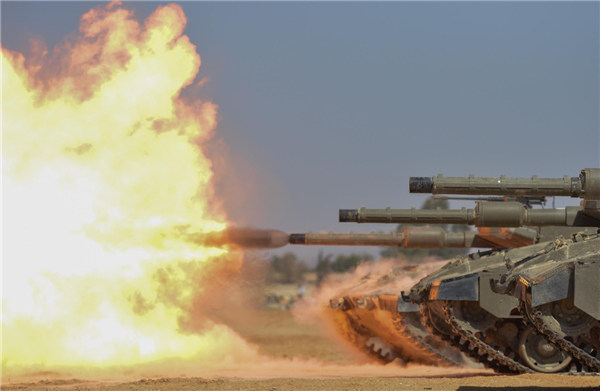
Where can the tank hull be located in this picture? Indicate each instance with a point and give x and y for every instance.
(461, 295)
(559, 288)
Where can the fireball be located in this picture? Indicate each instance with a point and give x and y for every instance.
(104, 167)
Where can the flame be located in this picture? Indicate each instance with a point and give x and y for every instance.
(103, 164)
(114, 248)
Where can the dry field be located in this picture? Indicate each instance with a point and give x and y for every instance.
(279, 336)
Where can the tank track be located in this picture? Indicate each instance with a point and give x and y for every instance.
(430, 345)
(475, 348)
(426, 320)
(382, 351)
(482, 351)
(537, 321)
(367, 344)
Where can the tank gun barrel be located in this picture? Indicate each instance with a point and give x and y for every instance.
(527, 201)
(485, 214)
(408, 216)
(411, 237)
(586, 186)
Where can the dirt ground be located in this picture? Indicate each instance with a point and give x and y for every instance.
(478, 383)
(278, 335)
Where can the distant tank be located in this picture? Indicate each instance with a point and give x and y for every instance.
(479, 303)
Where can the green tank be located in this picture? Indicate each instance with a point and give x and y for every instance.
(534, 308)
(500, 320)
(380, 314)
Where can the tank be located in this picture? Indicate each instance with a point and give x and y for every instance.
(364, 306)
(372, 316)
(529, 309)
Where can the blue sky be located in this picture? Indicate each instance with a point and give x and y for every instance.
(334, 105)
